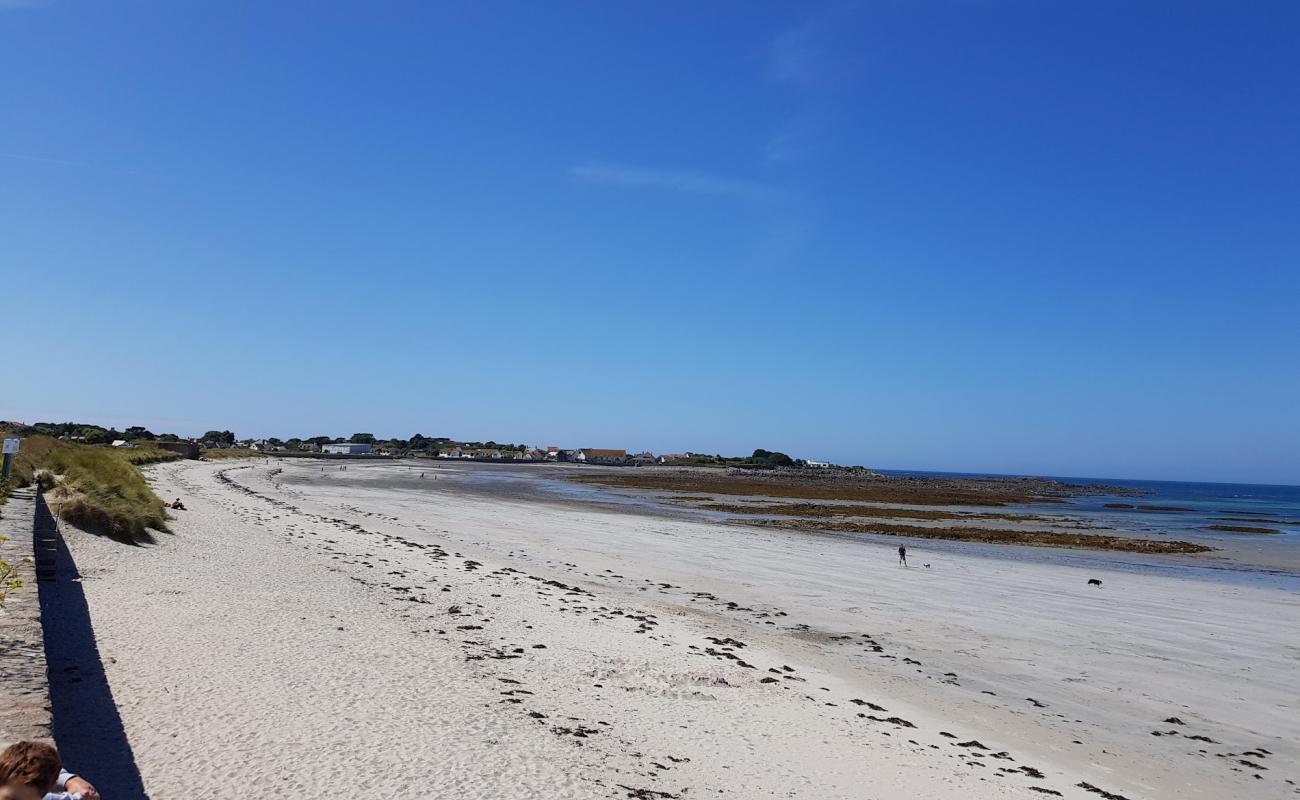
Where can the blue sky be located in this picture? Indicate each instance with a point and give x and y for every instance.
(1043, 237)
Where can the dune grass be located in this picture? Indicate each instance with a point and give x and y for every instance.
(98, 488)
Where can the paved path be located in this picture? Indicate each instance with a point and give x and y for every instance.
(24, 689)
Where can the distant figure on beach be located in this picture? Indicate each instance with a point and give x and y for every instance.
(902, 554)
(178, 505)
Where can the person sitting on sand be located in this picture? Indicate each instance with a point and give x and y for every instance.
(31, 771)
(178, 505)
(72, 787)
(902, 554)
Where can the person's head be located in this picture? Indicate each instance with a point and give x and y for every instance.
(28, 771)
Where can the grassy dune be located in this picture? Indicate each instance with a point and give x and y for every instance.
(98, 488)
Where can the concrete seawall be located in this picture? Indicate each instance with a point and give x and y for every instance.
(24, 681)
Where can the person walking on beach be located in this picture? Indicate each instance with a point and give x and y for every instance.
(902, 554)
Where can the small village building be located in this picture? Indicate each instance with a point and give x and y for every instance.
(667, 457)
(347, 448)
(812, 463)
(597, 455)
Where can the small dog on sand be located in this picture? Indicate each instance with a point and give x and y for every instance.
(1094, 582)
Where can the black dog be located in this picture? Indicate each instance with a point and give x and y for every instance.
(1094, 582)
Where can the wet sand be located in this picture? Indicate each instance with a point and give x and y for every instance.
(304, 629)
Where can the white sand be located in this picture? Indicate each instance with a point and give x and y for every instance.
(269, 646)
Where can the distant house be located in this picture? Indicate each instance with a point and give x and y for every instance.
(667, 457)
(552, 453)
(347, 448)
(811, 463)
(596, 455)
(449, 452)
(643, 458)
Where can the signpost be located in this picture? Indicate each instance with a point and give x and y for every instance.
(10, 447)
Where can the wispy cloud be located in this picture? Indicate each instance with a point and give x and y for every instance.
(41, 159)
(815, 65)
(793, 139)
(814, 51)
(796, 52)
(680, 181)
(77, 165)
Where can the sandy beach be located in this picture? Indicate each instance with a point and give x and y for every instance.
(312, 629)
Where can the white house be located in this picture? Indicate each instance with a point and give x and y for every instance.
(812, 463)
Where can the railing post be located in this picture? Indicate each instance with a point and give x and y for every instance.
(10, 447)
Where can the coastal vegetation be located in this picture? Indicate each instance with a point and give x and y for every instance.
(824, 510)
(759, 459)
(867, 488)
(1242, 529)
(86, 433)
(9, 578)
(99, 488)
(1083, 541)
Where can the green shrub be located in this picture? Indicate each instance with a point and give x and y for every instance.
(105, 490)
